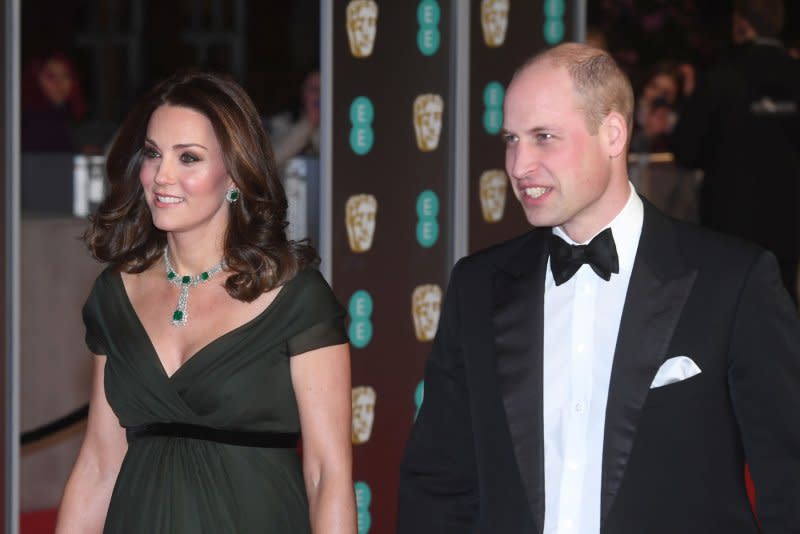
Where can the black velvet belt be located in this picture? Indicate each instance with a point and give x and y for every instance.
(272, 440)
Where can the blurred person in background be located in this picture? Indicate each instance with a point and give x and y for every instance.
(657, 108)
(52, 104)
(741, 126)
(596, 37)
(296, 132)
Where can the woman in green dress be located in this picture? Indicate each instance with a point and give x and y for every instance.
(216, 343)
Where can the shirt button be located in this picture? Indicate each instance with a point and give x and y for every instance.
(587, 289)
(579, 348)
(573, 465)
(567, 523)
(579, 407)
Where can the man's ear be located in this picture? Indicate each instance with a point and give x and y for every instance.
(615, 131)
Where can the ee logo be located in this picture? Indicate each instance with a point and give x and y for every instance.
(360, 308)
(361, 135)
(553, 21)
(493, 96)
(419, 394)
(428, 36)
(427, 225)
(363, 500)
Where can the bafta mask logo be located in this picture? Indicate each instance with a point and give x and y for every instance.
(494, 21)
(362, 24)
(363, 413)
(426, 305)
(493, 184)
(360, 212)
(428, 109)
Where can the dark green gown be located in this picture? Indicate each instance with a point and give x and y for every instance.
(240, 381)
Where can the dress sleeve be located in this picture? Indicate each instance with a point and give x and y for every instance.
(92, 320)
(319, 315)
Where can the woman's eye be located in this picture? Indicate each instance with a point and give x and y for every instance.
(150, 153)
(187, 157)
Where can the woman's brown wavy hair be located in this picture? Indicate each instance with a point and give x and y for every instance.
(256, 249)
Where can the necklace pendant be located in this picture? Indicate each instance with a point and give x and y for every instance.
(180, 316)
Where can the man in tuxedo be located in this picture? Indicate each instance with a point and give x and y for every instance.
(743, 118)
(612, 370)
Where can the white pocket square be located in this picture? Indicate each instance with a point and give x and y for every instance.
(674, 370)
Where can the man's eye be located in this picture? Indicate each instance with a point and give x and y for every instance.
(544, 136)
(509, 138)
(187, 157)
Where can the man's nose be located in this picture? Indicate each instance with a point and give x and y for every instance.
(523, 160)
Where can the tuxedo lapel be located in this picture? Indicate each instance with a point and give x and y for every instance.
(659, 287)
(518, 308)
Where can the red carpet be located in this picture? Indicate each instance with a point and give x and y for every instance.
(44, 521)
(38, 522)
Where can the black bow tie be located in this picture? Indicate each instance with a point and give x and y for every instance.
(600, 254)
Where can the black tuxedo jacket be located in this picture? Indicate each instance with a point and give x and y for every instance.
(673, 457)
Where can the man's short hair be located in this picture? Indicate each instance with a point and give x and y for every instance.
(601, 86)
(765, 16)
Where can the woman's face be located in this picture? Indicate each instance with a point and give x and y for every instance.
(661, 86)
(55, 81)
(183, 173)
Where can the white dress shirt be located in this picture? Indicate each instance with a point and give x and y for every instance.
(581, 322)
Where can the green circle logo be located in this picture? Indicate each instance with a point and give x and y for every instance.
(361, 139)
(553, 31)
(361, 111)
(492, 121)
(363, 501)
(428, 40)
(427, 225)
(428, 13)
(360, 306)
(364, 521)
(427, 232)
(419, 394)
(427, 204)
(360, 310)
(554, 9)
(428, 36)
(360, 333)
(363, 495)
(361, 135)
(493, 95)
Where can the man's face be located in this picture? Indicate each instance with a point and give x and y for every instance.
(559, 172)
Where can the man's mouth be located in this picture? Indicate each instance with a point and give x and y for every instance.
(536, 192)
